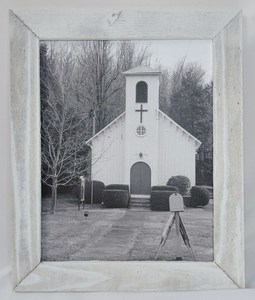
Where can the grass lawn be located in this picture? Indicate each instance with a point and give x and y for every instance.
(120, 234)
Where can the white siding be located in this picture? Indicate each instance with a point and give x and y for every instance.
(177, 152)
(167, 148)
(108, 154)
(146, 145)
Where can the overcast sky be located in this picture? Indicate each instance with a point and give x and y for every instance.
(168, 53)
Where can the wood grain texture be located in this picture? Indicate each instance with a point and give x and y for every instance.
(125, 276)
(125, 24)
(25, 115)
(228, 269)
(228, 152)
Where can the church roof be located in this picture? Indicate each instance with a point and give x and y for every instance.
(163, 115)
(106, 127)
(142, 70)
(197, 142)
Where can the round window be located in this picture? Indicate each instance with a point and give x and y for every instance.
(141, 130)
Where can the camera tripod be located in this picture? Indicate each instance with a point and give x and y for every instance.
(180, 230)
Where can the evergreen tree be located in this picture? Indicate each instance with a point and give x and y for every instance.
(191, 106)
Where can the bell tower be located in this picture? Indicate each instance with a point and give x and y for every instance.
(141, 132)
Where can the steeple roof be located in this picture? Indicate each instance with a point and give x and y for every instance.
(141, 70)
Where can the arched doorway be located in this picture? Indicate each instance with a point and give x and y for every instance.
(140, 179)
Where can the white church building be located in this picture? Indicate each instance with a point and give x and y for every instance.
(143, 146)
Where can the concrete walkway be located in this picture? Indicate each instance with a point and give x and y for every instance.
(117, 241)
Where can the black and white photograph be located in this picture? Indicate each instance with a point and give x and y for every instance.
(126, 150)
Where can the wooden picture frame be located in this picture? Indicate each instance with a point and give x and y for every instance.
(224, 28)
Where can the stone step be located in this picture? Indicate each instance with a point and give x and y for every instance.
(139, 200)
(139, 203)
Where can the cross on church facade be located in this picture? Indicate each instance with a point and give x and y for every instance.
(141, 110)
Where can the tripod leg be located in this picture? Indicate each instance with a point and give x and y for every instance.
(183, 233)
(165, 234)
(159, 249)
(167, 228)
(186, 239)
(178, 242)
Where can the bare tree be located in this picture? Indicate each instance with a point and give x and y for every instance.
(80, 82)
(63, 123)
(97, 78)
(101, 65)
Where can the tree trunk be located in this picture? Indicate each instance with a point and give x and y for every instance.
(92, 192)
(94, 123)
(54, 189)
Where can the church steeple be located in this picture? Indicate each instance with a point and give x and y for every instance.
(142, 91)
(142, 100)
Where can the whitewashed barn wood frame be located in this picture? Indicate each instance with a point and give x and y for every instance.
(224, 28)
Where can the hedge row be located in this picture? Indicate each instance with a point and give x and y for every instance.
(115, 198)
(113, 195)
(117, 195)
(165, 188)
(159, 200)
(98, 188)
(199, 196)
(124, 187)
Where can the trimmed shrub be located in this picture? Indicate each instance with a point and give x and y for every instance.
(199, 196)
(181, 182)
(121, 187)
(98, 188)
(115, 198)
(124, 187)
(187, 200)
(210, 190)
(159, 200)
(165, 188)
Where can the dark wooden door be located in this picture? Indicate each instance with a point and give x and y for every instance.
(140, 179)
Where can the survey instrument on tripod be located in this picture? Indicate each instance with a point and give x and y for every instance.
(176, 206)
